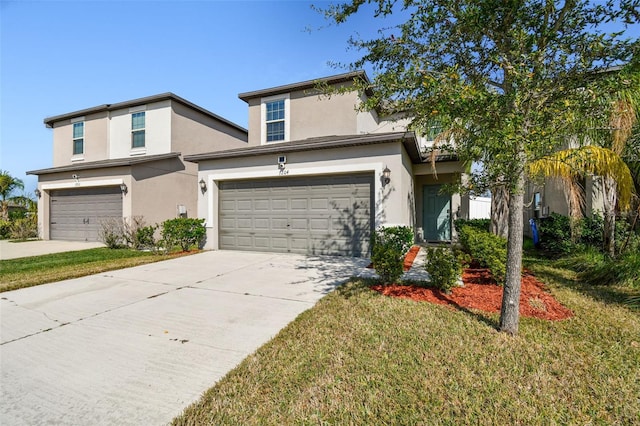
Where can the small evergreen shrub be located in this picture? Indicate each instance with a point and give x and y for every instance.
(399, 237)
(145, 237)
(444, 267)
(5, 229)
(388, 248)
(479, 224)
(555, 234)
(489, 250)
(182, 232)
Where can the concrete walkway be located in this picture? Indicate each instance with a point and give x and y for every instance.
(138, 345)
(9, 250)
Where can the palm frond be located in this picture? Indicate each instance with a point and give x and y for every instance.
(588, 160)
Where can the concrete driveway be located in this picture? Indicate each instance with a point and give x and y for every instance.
(138, 345)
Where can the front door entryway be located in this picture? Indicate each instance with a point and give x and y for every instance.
(436, 214)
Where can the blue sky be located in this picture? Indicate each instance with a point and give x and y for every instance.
(59, 57)
(62, 56)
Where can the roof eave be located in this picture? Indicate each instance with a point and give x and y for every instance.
(105, 164)
(308, 84)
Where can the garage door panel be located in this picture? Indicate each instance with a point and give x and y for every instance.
(321, 215)
(77, 214)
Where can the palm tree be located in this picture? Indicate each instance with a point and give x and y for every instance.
(8, 184)
(604, 137)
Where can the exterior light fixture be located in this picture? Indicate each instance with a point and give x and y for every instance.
(38, 193)
(203, 186)
(123, 188)
(386, 176)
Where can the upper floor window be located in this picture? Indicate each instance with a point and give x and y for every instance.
(275, 119)
(78, 138)
(137, 129)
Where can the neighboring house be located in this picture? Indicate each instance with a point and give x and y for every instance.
(312, 178)
(125, 160)
(549, 196)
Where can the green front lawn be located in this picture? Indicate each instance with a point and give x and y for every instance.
(30, 271)
(359, 357)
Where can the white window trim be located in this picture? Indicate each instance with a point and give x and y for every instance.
(263, 117)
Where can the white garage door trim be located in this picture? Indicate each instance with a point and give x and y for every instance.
(81, 184)
(222, 175)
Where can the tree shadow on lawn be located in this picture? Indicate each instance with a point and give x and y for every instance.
(546, 272)
(362, 285)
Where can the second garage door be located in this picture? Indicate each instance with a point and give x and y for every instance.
(311, 215)
(78, 214)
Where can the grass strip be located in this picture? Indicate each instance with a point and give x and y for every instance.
(36, 270)
(359, 357)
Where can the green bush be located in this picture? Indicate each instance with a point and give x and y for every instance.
(489, 250)
(479, 224)
(443, 267)
(24, 228)
(145, 237)
(555, 234)
(400, 238)
(182, 232)
(5, 229)
(388, 248)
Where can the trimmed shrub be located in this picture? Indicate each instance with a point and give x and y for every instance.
(5, 229)
(489, 250)
(479, 224)
(388, 248)
(443, 267)
(137, 235)
(555, 234)
(182, 232)
(399, 238)
(145, 237)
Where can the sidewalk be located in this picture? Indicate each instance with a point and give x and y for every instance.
(11, 250)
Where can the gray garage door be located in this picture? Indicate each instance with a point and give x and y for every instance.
(77, 214)
(311, 215)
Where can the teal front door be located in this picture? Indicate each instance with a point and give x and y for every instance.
(436, 214)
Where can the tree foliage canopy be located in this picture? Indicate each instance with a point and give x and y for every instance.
(509, 81)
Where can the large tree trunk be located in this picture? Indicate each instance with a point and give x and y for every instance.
(500, 211)
(510, 311)
(609, 187)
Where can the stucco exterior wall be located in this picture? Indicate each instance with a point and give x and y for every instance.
(96, 131)
(157, 130)
(315, 115)
(159, 187)
(389, 201)
(86, 179)
(193, 132)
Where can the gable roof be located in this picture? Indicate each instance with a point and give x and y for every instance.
(309, 84)
(408, 139)
(117, 162)
(49, 121)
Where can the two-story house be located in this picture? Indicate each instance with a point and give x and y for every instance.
(125, 160)
(318, 176)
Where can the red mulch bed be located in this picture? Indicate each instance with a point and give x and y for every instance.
(480, 292)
